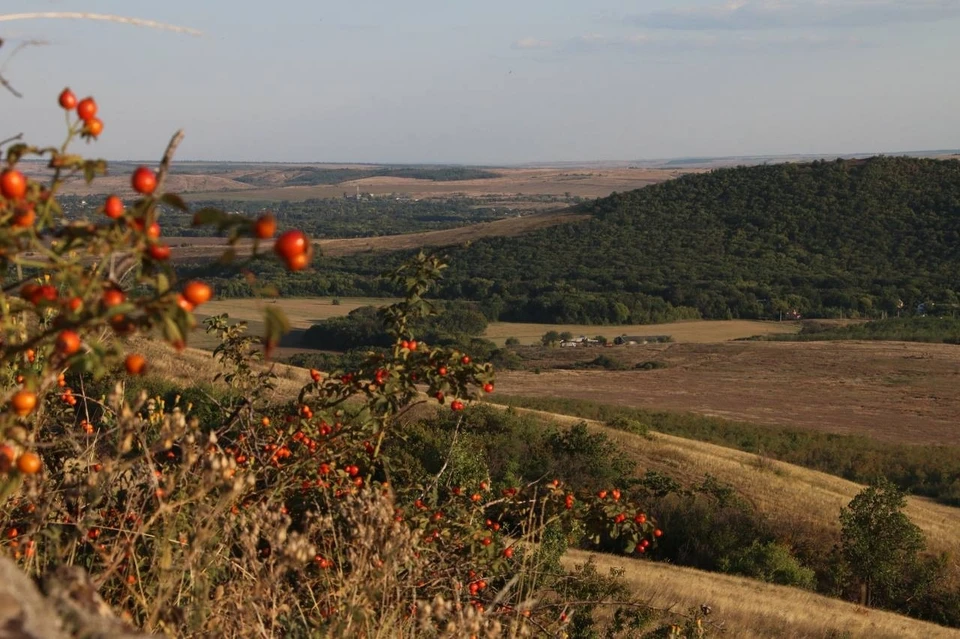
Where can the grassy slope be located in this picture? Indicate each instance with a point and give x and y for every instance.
(748, 609)
(796, 497)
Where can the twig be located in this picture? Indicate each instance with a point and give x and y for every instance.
(18, 136)
(9, 87)
(168, 158)
(453, 442)
(79, 15)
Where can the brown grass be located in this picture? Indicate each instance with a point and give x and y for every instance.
(792, 495)
(750, 609)
(303, 312)
(210, 248)
(590, 183)
(892, 391)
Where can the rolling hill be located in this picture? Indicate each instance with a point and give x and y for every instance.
(827, 238)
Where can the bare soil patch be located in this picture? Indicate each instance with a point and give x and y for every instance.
(892, 391)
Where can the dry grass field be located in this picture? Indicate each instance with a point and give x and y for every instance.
(797, 498)
(696, 331)
(893, 391)
(584, 182)
(305, 311)
(185, 249)
(748, 609)
(223, 182)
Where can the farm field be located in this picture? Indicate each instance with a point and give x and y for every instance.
(892, 391)
(303, 312)
(194, 248)
(270, 183)
(748, 609)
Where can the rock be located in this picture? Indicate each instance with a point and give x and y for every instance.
(74, 595)
(72, 607)
(24, 613)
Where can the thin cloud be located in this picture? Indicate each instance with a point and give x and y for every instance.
(532, 43)
(775, 14)
(643, 43)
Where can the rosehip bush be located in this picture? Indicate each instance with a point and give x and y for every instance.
(265, 518)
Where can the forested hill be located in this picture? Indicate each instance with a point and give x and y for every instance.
(744, 242)
(850, 237)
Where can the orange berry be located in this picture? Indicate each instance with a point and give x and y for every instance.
(28, 463)
(67, 99)
(93, 126)
(23, 402)
(183, 303)
(113, 207)
(87, 109)
(197, 292)
(74, 304)
(13, 184)
(144, 181)
(113, 297)
(68, 342)
(265, 226)
(135, 364)
(298, 262)
(24, 217)
(159, 252)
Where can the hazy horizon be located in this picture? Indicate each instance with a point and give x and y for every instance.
(546, 81)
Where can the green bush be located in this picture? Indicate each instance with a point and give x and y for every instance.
(770, 562)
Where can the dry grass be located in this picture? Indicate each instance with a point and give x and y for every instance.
(798, 497)
(793, 497)
(754, 610)
(194, 365)
(892, 391)
(693, 331)
(208, 248)
(303, 312)
(588, 182)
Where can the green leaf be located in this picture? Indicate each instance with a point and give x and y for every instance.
(275, 324)
(228, 256)
(209, 215)
(174, 200)
(93, 168)
(171, 332)
(163, 283)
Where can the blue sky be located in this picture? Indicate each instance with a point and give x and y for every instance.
(495, 81)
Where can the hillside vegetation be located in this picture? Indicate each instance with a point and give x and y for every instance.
(945, 330)
(824, 239)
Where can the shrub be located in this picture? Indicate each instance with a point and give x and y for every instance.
(651, 365)
(213, 511)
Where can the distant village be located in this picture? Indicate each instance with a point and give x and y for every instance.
(623, 340)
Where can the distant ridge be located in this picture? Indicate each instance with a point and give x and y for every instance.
(840, 238)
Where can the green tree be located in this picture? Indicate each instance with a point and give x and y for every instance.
(879, 541)
(550, 338)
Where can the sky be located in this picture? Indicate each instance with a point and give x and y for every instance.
(492, 81)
